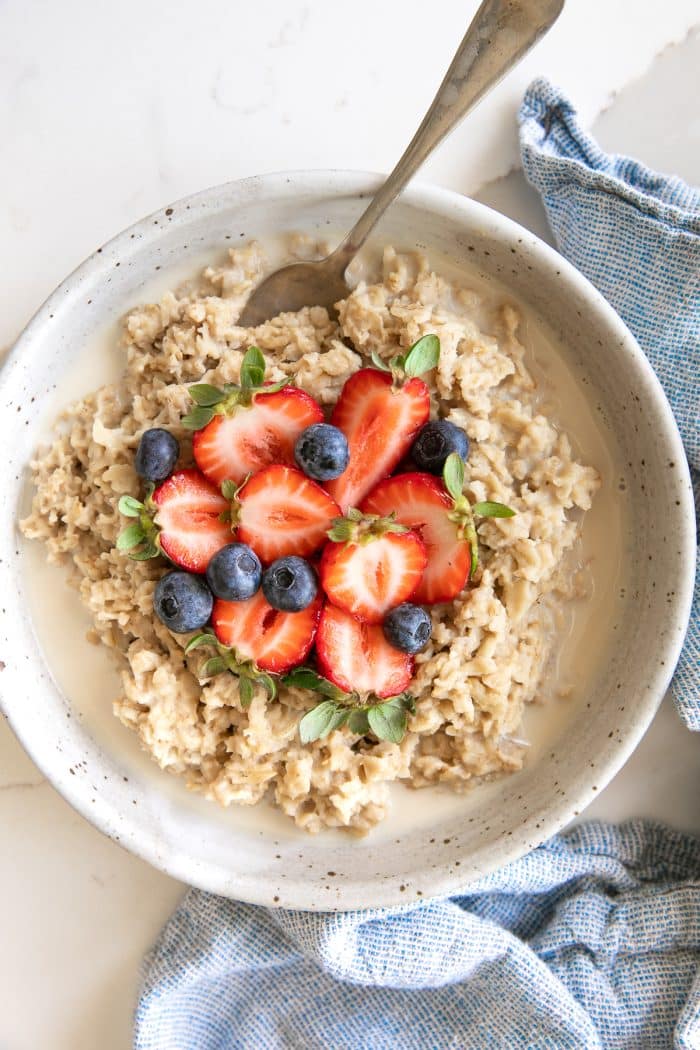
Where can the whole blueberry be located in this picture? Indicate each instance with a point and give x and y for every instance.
(234, 572)
(156, 455)
(290, 584)
(182, 602)
(435, 442)
(322, 452)
(408, 628)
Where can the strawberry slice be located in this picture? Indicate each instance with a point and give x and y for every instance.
(371, 565)
(189, 510)
(357, 657)
(280, 511)
(380, 423)
(275, 640)
(422, 502)
(245, 438)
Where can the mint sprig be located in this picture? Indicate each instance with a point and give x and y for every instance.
(463, 512)
(227, 659)
(422, 357)
(140, 538)
(210, 401)
(387, 719)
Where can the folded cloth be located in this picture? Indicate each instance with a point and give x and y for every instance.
(590, 941)
(593, 939)
(635, 235)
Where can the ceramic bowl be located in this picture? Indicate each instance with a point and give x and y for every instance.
(57, 694)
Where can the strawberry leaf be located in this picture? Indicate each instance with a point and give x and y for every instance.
(268, 683)
(245, 689)
(206, 638)
(489, 509)
(131, 537)
(307, 678)
(198, 417)
(205, 395)
(423, 356)
(453, 475)
(252, 369)
(130, 507)
(388, 721)
(215, 665)
(229, 489)
(150, 550)
(379, 363)
(321, 720)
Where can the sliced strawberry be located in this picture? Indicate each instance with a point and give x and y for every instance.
(189, 519)
(357, 657)
(275, 640)
(281, 511)
(249, 437)
(374, 565)
(421, 502)
(380, 423)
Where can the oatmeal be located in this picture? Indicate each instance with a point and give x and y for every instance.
(488, 647)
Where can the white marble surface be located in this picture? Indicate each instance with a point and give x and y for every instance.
(109, 111)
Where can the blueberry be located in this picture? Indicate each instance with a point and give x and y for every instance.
(434, 444)
(182, 602)
(408, 628)
(290, 584)
(322, 452)
(234, 572)
(156, 455)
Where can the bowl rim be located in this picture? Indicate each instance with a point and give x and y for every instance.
(439, 882)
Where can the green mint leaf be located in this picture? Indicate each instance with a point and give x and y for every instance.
(229, 489)
(379, 363)
(206, 638)
(489, 509)
(252, 368)
(423, 356)
(215, 665)
(150, 550)
(453, 475)
(131, 537)
(206, 395)
(245, 688)
(197, 417)
(388, 721)
(357, 721)
(130, 507)
(321, 720)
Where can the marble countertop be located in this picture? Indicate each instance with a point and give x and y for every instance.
(110, 111)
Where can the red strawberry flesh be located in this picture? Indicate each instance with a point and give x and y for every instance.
(251, 437)
(380, 424)
(421, 502)
(283, 512)
(191, 530)
(357, 657)
(276, 641)
(368, 579)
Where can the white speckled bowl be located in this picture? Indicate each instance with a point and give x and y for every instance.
(253, 855)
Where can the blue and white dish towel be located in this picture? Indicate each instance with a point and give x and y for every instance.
(593, 939)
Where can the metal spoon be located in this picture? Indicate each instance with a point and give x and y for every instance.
(501, 33)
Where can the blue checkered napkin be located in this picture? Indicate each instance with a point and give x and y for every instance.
(636, 235)
(592, 941)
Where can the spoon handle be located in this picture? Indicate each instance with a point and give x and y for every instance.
(500, 34)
